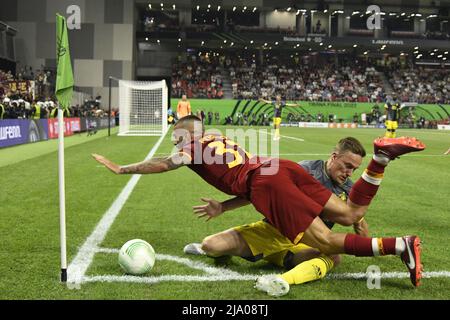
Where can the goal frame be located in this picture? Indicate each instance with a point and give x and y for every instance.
(126, 127)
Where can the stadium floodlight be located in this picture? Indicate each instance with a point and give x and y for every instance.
(142, 108)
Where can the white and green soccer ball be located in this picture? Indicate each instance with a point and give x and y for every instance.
(136, 257)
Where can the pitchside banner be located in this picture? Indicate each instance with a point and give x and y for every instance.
(18, 131)
(71, 125)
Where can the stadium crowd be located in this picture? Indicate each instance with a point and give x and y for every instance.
(29, 95)
(199, 77)
(324, 79)
(419, 84)
(346, 81)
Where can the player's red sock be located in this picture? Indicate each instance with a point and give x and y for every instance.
(367, 247)
(366, 187)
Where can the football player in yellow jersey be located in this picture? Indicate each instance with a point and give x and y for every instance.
(260, 240)
(392, 112)
(278, 104)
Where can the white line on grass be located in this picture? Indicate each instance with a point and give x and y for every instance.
(79, 265)
(185, 261)
(287, 137)
(222, 274)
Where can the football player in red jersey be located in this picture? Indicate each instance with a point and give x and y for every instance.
(289, 198)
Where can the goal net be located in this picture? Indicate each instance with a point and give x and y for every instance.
(143, 108)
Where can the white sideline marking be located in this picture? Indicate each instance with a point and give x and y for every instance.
(249, 277)
(288, 137)
(79, 265)
(222, 274)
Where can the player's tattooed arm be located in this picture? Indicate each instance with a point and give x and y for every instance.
(154, 165)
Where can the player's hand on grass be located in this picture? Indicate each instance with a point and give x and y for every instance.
(211, 209)
(107, 163)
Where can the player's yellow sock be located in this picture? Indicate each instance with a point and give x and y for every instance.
(310, 270)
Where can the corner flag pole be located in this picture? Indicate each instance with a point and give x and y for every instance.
(64, 90)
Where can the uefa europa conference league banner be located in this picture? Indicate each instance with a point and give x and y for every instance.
(13, 132)
(18, 131)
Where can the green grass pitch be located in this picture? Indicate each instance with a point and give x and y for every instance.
(414, 199)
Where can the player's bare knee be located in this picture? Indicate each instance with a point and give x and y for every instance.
(209, 245)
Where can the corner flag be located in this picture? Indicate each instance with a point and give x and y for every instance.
(64, 90)
(64, 77)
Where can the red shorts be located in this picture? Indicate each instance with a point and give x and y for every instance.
(290, 200)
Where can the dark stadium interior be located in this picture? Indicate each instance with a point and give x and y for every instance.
(303, 50)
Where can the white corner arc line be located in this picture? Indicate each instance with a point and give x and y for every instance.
(79, 265)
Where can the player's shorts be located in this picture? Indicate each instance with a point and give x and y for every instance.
(276, 121)
(391, 125)
(290, 199)
(269, 244)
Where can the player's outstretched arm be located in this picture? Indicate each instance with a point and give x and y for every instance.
(214, 208)
(154, 165)
(265, 101)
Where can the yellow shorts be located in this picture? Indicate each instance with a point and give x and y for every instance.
(391, 125)
(276, 121)
(268, 243)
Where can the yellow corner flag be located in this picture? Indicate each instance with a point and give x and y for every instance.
(64, 77)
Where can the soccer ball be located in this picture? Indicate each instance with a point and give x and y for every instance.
(136, 257)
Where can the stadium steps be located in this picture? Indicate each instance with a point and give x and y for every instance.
(226, 84)
(387, 88)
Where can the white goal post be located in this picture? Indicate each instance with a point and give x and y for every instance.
(142, 108)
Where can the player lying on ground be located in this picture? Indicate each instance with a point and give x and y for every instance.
(289, 198)
(260, 240)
